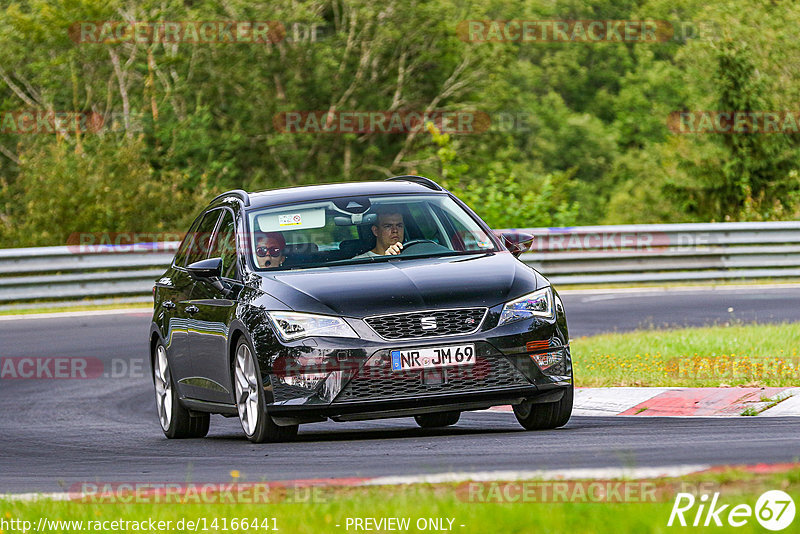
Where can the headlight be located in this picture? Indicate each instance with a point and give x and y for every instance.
(536, 304)
(291, 325)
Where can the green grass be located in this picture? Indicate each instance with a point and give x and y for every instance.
(56, 308)
(699, 284)
(751, 355)
(333, 506)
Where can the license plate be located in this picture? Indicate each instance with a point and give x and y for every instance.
(410, 359)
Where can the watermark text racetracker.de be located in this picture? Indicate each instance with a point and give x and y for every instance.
(70, 368)
(563, 491)
(734, 122)
(599, 240)
(193, 32)
(153, 492)
(259, 32)
(732, 367)
(42, 122)
(581, 491)
(551, 240)
(380, 121)
(586, 31)
(128, 242)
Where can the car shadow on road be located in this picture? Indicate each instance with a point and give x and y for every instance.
(337, 432)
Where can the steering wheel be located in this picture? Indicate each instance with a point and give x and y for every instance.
(413, 242)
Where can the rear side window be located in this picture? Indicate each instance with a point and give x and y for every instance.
(201, 238)
(225, 245)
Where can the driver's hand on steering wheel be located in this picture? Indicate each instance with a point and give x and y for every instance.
(395, 249)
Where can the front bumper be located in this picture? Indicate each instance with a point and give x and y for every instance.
(381, 409)
(348, 379)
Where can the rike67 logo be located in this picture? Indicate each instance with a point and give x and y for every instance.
(774, 510)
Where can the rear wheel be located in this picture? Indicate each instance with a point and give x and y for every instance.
(176, 421)
(545, 415)
(436, 420)
(258, 426)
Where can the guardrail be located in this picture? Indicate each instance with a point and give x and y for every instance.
(666, 252)
(69, 272)
(586, 255)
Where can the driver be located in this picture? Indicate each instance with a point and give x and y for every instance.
(388, 231)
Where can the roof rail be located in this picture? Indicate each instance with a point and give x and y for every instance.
(235, 193)
(421, 180)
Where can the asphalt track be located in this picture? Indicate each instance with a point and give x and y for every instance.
(56, 433)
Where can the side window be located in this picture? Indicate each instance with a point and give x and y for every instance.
(225, 245)
(183, 248)
(201, 237)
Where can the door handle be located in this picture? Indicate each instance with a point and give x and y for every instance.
(191, 308)
(168, 304)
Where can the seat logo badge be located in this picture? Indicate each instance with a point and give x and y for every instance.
(428, 323)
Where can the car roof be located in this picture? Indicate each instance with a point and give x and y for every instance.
(289, 195)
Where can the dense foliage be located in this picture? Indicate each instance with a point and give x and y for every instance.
(579, 135)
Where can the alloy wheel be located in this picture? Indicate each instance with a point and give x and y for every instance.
(163, 383)
(246, 389)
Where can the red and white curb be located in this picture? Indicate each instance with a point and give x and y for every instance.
(684, 402)
(789, 404)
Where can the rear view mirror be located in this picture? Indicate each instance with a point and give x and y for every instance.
(356, 219)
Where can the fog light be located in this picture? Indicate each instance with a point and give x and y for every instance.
(305, 380)
(551, 363)
(547, 359)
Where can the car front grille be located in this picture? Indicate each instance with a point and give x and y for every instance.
(376, 380)
(434, 323)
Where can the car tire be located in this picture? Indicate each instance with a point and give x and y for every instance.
(176, 421)
(251, 404)
(437, 420)
(545, 415)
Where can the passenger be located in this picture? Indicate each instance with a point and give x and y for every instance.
(270, 249)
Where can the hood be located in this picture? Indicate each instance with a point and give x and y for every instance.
(403, 285)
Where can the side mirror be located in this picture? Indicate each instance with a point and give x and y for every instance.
(517, 242)
(210, 271)
(210, 268)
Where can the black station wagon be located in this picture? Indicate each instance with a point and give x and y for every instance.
(353, 301)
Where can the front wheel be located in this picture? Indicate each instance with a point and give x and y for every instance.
(545, 415)
(258, 426)
(176, 421)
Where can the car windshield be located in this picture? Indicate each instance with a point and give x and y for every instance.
(353, 230)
